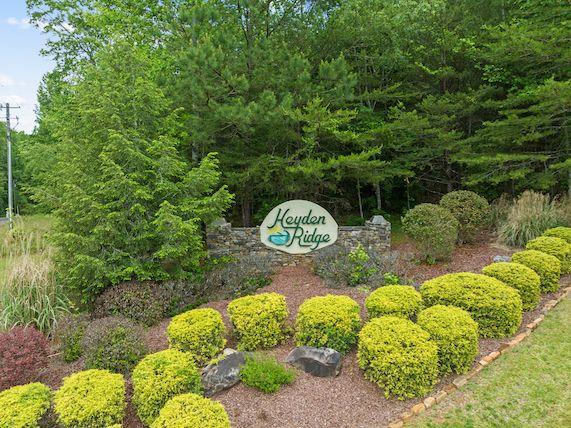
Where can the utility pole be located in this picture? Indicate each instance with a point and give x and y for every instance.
(10, 213)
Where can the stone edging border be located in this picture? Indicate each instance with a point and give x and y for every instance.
(462, 380)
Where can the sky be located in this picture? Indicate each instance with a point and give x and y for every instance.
(21, 65)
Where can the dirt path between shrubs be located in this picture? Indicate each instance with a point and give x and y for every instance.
(345, 401)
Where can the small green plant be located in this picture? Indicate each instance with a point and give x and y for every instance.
(192, 410)
(69, 334)
(265, 373)
(390, 278)
(360, 268)
(259, 320)
(23, 406)
(433, 229)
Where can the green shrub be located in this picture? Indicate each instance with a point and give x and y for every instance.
(190, 411)
(360, 269)
(434, 230)
(161, 376)
(553, 246)
(398, 300)
(328, 321)
(531, 215)
(546, 266)
(265, 373)
(200, 332)
(259, 320)
(520, 277)
(398, 356)
(69, 334)
(559, 232)
(496, 307)
(91, 398)
(23, 406)
(455, 333)
(113, 343)
(471, 211)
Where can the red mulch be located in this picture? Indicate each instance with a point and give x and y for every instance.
(345, 401)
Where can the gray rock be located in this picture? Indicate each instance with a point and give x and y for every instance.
(322, 362)
(498, 259)
(222, 375)
(377, 219)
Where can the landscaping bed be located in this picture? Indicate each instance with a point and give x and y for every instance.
(346, 400)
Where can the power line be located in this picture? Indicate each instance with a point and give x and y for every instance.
(10, 212)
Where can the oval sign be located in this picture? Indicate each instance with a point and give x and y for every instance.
(298, 227)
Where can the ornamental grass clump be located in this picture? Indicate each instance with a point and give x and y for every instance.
(161, 376)
(433, 229)
(259, 320)
(546, 266)
(265, 373)
(455, 333)
(495, 306)
(328, 321)
(398, 356)
(553, 246)
(23, 353)
(200, 332)
(23, 406)
(91, 398)
(559, 232)
(470, 209)
(397, 300)
(520, 277)
(113, 343)
(192, 410)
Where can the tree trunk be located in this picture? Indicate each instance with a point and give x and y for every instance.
(246, 212)
(378, 196)
(360, 200)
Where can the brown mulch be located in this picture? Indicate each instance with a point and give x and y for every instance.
(345, 401)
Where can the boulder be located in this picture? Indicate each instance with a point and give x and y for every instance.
(498, 259)
(322, 362)
(223, 374)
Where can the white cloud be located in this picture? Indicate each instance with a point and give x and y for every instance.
(6, 81)
(22, 24)
(13, 99)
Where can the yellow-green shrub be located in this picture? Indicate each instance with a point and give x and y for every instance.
(496, 307)
(161, 376)
(399, 356)
(328, 321)
(200, 332)
(190, 411)
(546, 266)
(91, 398)
(258, 320)
(559, 232)
(23, 406)
(520, 277)
(553, 246)
(398, 300)
(455, 333)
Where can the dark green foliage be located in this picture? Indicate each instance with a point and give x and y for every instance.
(113, 343)
(265, 373)
(471, 211)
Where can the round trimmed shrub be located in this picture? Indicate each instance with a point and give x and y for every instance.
(23, 406)
(559, 232)
(200, 332)
(470, 209)
(192, 411)
(546, 266)
(258, 320)
(91, 398)
(434, 230)
(69, 334)
(556, 247)
(495, 306)
(23, 352)
(398, 300)
(520, 277)
(455, 333)
(161, 376)
(398, 356)
(113, 343)
(328, 321)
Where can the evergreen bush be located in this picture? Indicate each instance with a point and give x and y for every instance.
(200, 332)
(471, 211)
(23, 406)
(397, 300)
(192, 410)
(546, 266)
(553, 246)
(496, 307)
(520, 277)
(559, 232)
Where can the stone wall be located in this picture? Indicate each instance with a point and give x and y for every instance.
(224, 240)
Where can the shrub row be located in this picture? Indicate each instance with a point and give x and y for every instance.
(555, 247)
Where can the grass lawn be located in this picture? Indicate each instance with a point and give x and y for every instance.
(529, 386)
